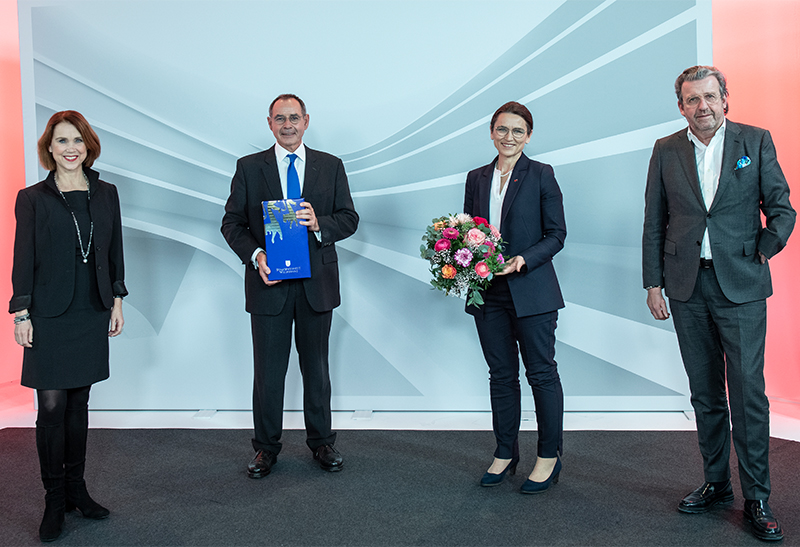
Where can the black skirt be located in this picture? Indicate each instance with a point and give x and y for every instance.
(71, 350)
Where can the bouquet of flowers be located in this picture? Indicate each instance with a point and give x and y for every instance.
(465, 253)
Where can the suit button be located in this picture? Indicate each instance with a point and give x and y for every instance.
(708, 215)
(698, 243)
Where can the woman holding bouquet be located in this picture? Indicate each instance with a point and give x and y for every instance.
(521, 198)
(68, 280)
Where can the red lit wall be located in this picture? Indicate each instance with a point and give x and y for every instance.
(757, 46)
(12, 178)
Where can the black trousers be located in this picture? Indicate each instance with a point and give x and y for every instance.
(272, 340)
(720, 339)
(504, 336)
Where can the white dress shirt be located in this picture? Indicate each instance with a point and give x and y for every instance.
(709, 167)
(282, 158)
(496, 197)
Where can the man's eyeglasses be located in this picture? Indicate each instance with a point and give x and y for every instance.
(694, 100)
(294, 119)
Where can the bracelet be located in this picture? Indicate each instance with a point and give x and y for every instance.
(22, 318)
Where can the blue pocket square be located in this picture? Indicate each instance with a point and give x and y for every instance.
(743, 162)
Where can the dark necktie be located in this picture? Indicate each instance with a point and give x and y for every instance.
(292, 180)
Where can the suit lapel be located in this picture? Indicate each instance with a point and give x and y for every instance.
(484, 191)
(518, 174)
(312, 173)
(688, 161)
(731, 152)
(270, 171)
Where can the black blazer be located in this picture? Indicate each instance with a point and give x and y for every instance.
(43, 275)
(325, 188)
(532, 226)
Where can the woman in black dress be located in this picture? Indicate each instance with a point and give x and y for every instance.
(68, 280)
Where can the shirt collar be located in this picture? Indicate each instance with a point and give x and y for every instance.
(281, 152)
(719, 135)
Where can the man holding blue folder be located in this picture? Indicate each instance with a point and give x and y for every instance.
(290, 170)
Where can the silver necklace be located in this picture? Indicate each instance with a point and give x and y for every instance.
(84, 254)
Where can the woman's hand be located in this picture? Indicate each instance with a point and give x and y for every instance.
(116, 323)
(513, 264)
(23, 332)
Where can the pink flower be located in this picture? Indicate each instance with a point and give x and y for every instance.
(463, 257)
(442, 245)
(450, 233)
(482, 269)
(481, 220)
(491, 248)
(500, 259)
(448, 271)
(495, 231)
(475, 237)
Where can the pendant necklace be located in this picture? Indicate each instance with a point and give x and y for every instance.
(84, 254)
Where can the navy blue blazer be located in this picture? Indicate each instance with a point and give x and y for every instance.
(532, 226)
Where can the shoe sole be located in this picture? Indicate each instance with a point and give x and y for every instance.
(258, 475)
(763, 537)
(333, 469)
(724, 502)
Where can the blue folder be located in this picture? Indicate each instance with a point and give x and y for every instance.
(286, 240)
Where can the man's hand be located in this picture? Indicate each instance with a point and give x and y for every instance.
(263, 269)
(308, 217)
(657, 304)
(513, 264)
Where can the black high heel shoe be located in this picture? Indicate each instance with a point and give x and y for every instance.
(532, 487)
(494, 479)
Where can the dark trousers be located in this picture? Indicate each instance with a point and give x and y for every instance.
(720, 339)
(272, 342)
(504, 336)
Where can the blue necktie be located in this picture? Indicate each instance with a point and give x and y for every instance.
(292, 180)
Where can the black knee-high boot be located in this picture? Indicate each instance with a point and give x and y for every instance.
(50, 446)
(76, 421)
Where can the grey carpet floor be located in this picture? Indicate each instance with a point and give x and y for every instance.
(404, 488)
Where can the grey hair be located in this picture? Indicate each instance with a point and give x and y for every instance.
(701, 72)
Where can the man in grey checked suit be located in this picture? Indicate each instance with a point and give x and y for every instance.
(704, 243)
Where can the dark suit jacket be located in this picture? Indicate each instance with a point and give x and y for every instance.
(43, 274)
(325, 188)
(532, 225)
(676, 217)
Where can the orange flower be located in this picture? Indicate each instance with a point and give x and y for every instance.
(439, 225)
(448, 271)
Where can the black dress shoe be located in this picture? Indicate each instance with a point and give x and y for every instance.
(329, 458)
(763, 523)
(261, 465)
(706, 497)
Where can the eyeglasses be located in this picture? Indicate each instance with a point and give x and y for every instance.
(709, 98)
(518, 133)
(294, 119)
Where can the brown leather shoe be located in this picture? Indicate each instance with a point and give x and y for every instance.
(261, 465)
(706, 497)
(763, 523)
(329, 458)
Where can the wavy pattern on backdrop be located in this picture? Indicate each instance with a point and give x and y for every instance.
(597, 77)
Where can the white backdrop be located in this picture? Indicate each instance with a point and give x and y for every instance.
(402, 91)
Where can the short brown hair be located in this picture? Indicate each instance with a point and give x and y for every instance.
(87, 133)
(288, 97)
(514, 108)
